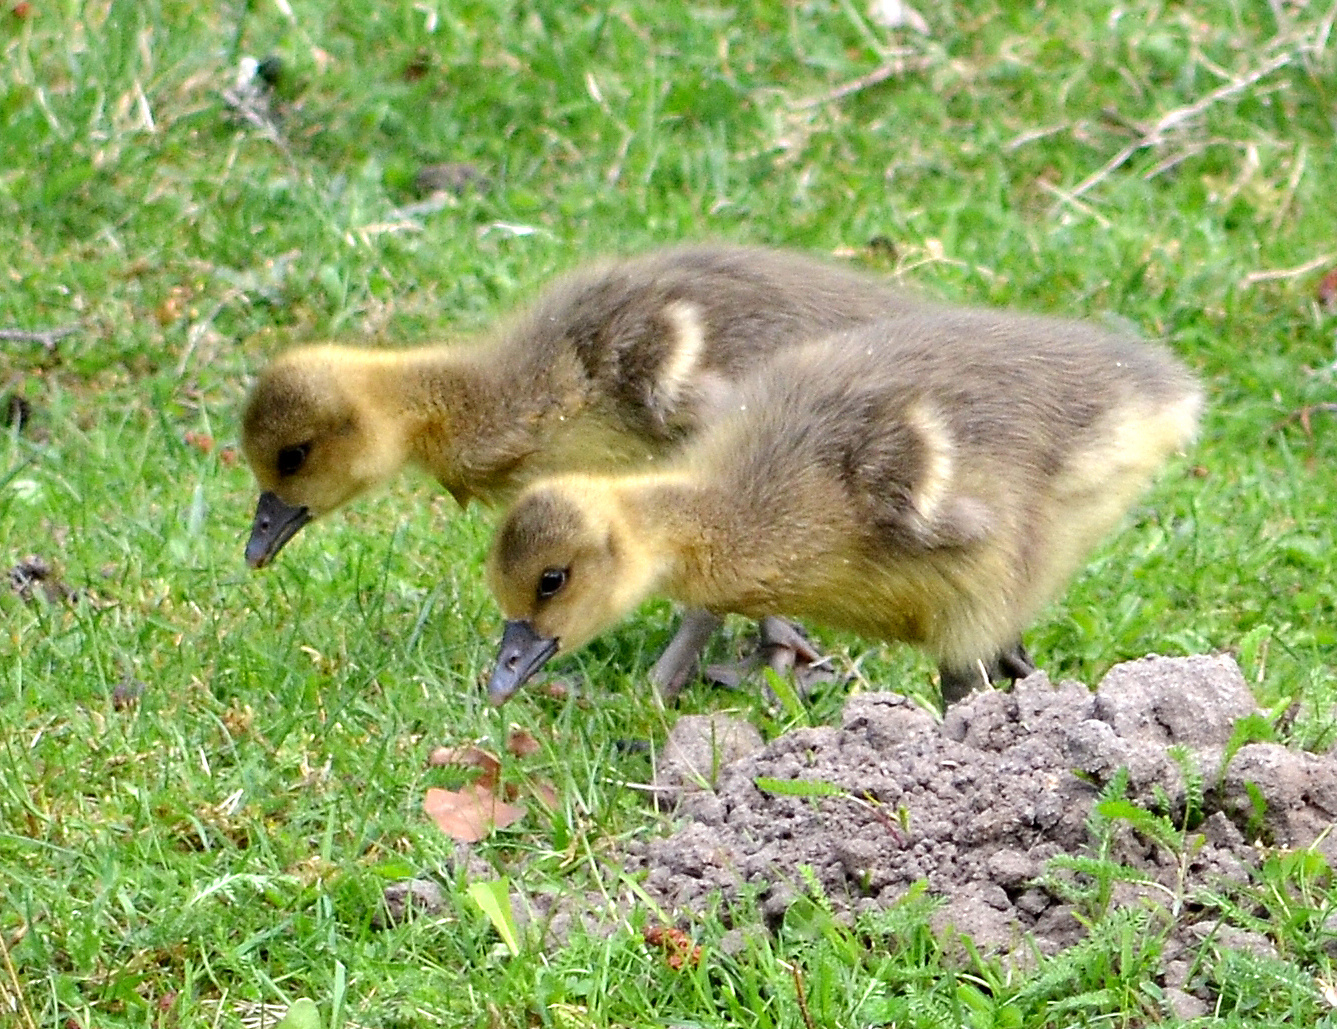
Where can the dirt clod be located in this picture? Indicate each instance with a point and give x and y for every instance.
(1184, 1005)
(977, 805)
(406, 898)
(452, 177)
(1194, 700)
(697, 747)
(15, 411)
(126, 693)
(33, 575)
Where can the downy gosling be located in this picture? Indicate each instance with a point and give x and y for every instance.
(615, 366)
(934, 478)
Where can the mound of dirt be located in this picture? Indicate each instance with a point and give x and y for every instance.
(977, 803)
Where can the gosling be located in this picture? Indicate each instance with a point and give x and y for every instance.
(615, 366)
(933, 478)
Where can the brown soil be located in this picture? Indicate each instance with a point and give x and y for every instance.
(977, 803)
(34, 574)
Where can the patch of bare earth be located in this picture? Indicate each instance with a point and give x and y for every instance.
(975, 805)
(33, 575)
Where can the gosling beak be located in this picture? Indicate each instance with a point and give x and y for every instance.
(523, 652)
(275, 523)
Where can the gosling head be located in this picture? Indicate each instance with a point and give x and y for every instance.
(564, 567)
(314, 442)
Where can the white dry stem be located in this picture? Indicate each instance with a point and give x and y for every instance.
(1155, 135)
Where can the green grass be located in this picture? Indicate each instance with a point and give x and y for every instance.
(224, 841)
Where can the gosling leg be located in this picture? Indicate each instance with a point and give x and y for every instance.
(678, 663)
(1008, 665)
(784, 645)
(786, 648)
(1013, 663)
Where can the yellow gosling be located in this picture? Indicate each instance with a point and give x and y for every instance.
(934, 478)
(616, 366)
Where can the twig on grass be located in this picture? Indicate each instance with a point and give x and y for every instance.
(802, 994)
(1031, 135)
(1302, 414)
(1272, 274)
(20, 1001)
(899, 66)
(47, 337)
(1155, 135)
(1074, 203)
(1292, 184)
(1176, 159)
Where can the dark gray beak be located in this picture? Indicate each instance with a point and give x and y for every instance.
(275, 523)
(523, 652)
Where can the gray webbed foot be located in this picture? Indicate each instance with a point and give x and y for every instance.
(1013, 663)
(786, 650)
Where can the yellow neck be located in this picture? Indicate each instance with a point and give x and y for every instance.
(676, 526)
(461, 413)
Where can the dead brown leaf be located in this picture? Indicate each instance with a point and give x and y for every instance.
(469, 756)
(470, 814)
(172, 307)
(1327, 292)
(520, 743)
(546, 794)
(201, 441)
(677, 946)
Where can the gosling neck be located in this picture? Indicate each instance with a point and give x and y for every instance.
(460, 418)
(685, 531)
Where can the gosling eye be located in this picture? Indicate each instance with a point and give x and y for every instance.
(552, 580)
(291, 459)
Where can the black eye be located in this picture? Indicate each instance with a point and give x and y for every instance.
(290, 459)
(552, 580)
